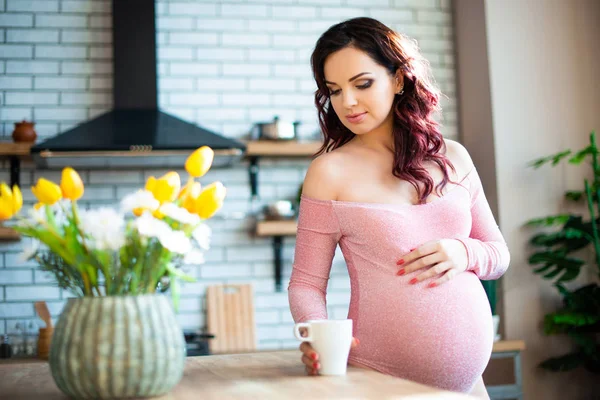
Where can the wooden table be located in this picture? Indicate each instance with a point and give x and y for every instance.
(262, 375)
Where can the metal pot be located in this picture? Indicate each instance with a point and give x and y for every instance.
(279, 210)
(276, 130)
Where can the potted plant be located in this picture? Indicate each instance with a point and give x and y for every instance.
(116, 338)
(558, 258)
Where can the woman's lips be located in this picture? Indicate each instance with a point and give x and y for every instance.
(356, 118)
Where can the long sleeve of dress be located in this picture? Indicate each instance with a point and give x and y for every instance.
(487, 252)
(316, 241)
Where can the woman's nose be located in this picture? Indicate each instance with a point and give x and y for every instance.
(349, 100)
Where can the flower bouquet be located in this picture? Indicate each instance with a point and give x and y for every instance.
(113, 260)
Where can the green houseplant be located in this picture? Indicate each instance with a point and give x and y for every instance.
(557, 258)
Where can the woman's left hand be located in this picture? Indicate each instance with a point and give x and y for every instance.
(447, 257)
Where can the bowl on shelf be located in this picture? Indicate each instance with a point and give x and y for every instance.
(279, 210)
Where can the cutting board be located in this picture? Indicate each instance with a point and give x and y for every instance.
(230, 317)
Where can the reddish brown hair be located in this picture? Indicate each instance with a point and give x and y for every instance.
(417, 138)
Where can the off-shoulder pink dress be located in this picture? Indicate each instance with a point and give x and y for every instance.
(439, 336)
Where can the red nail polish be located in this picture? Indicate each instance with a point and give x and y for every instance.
(400, 262)
(314, 356)
(432, 284)
(315, 365)
(413, 281)
(401, 272)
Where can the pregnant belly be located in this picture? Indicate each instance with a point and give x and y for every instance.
(439, 336)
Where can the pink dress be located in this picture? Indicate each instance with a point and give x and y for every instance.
(439, 336)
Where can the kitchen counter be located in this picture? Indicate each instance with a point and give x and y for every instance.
(261, 375)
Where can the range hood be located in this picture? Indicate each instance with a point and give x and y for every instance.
(135, 133)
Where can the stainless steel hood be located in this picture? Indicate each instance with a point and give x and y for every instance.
(135, 134)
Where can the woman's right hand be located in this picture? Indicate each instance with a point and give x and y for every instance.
(310, 358)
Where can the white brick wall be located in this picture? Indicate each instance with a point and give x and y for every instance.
(224, 65)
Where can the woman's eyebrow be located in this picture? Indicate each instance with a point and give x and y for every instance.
(351, 79)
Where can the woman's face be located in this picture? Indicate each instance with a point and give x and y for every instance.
(361, 91)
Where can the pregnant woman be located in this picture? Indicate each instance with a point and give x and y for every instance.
(407, 209)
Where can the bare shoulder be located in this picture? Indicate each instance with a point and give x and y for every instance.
(460, 158)
(324, 176)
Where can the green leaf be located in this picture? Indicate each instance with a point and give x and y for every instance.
(549, 221)
(569, 275)
(553, 274)
(574, 195)
(573, 319)
(567, 362)
(582, 154)
(554, 159)
(550, 239)
(587, 343)
(543, 268)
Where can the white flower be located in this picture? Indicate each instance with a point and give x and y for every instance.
(176, 241)
(195, 256)
(140, 199)
(179, 214)
(29, 250)
(105, 227)
(60, 218)
(149, 226)
(202, 236)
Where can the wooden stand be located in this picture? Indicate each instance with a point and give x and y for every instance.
(508, 349)
(8, 234)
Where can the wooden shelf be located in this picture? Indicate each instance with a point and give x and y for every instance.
(503, 346)
(8, 149)
(260, 148)
(276, 228)
(8, 234)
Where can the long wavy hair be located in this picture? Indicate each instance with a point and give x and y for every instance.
(416, 135)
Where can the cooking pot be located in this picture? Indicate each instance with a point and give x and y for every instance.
(276, 130)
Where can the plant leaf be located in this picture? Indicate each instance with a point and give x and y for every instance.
(549, 221)
(581, 155)
(574, 195)
(567, 362)
(554, 159)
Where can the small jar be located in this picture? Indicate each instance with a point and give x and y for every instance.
(24, 132)
(43, 345)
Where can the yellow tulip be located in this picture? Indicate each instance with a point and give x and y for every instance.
(200, 161)
(10, 201)
(46, 192)
(17, 199)
(210, 200)
(71, 184)
(166, 188)
(189, 198)
(150, 183)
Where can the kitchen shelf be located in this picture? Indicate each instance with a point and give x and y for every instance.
(262, 148)
(15, 152)
(8, 234)
(256, 149)
(503, 346)
(276, 228)
(15, 149)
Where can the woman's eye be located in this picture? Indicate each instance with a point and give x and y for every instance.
(334, 92)
(365, 85)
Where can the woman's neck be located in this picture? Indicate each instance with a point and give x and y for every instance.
(379, 139)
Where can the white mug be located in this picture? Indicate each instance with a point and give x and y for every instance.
(331, 339)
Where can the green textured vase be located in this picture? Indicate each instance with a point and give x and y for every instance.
(117, 347)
